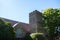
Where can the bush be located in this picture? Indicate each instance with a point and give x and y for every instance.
(39, 36)
(28, 37)
(6, 30)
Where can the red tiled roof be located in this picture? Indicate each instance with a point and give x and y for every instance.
(11, 21)
(24, 25)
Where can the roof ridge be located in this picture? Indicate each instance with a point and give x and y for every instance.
(8, 19)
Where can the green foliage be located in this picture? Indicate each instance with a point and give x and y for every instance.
(39, 36)
(27, 37)
(6, 30)
(8, 23)
(1, 21)
(51, 20)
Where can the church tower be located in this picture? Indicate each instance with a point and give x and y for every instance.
(35, 21)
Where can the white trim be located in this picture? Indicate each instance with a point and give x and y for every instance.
(15, 24)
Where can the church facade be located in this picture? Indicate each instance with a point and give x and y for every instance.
(35, 24)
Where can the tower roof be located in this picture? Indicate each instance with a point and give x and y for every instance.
(35, 12)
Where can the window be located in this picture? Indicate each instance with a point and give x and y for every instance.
(58, 28)
(19, 33)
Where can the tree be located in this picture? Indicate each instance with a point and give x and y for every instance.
(51, 20)
(6, 30)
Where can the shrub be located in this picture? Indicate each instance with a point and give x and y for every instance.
(6, 30)
(28, 37)
(39, 36)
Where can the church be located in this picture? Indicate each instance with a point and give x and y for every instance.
(35, 24)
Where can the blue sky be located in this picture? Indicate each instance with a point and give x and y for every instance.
(19, 9)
